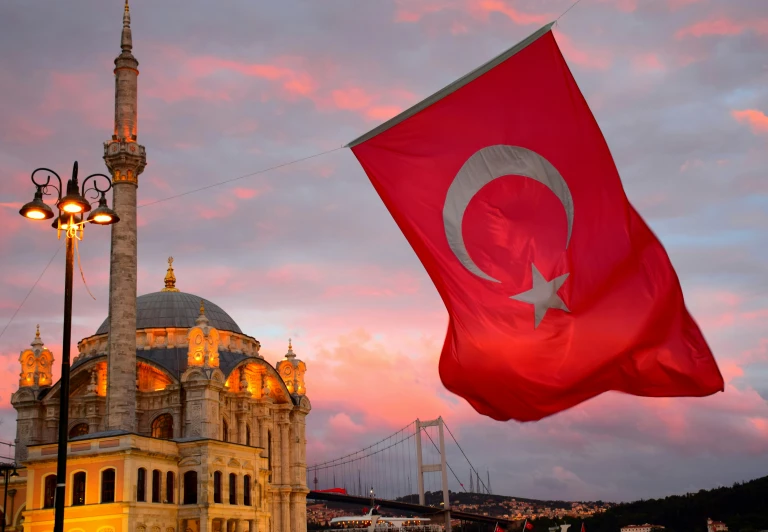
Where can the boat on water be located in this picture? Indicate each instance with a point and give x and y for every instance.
(373, 520)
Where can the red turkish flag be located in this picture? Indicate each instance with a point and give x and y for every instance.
(556, 289)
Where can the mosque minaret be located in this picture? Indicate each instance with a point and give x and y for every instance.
(125, 159)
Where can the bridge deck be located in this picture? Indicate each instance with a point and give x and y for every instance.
(407, 507)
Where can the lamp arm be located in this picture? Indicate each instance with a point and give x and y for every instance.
(95, 188)
(44, 186)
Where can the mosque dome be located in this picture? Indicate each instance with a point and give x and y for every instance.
(176, 309)
(171, 308)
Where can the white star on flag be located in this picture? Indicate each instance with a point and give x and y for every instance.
(543, 295)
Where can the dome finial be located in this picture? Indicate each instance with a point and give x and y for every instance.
(290, 353)
(170, 278)
(202, 319)
(37, 341)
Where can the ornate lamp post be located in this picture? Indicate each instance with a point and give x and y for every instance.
(73, 206)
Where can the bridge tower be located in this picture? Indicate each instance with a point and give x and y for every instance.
(431, 468)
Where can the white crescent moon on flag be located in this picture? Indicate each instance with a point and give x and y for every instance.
(483, 167)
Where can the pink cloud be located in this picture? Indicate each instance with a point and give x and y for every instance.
(246, 193)
(755, 119)
(383, 112)
(353, 98)
(627, 6)
(355, 361)
(171, 90)
(21, 130)
(678, 4)
(386, 285)
(294, 81)
(648, 62)
(723, 27)
(343, 423)
(414, 10)
(291, 273)
(83, 93)
(585, 57)
(518, 17)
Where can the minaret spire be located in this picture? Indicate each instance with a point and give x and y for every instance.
(126, 41)
(125, 159)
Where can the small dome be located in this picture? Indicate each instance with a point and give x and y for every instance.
(176, 309)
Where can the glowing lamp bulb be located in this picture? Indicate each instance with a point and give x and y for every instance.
(35, 214)
(102, 218)
(73, 207)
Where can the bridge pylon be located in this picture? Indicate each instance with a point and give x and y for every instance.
(433, 468)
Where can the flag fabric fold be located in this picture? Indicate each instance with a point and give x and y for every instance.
(556, 289)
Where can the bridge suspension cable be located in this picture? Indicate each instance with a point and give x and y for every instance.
(471, 467)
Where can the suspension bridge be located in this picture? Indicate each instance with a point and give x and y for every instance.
(407, 471)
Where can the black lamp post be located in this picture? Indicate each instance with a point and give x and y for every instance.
(73, 206)
(9, 470)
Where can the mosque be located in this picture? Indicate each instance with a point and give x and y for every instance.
(176, 422)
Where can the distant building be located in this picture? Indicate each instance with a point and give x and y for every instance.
(641, 528)
(716, 526)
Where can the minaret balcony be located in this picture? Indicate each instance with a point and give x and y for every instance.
(126, 159)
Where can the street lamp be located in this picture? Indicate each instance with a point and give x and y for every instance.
(73, 206)
(6, 469)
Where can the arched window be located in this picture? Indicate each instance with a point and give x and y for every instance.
(224, 430)
(190, 487)
(170, 480)
(217, 486)
(162, 427)
(81, 429)
(141, 485)
(156, 479)
(247, 435)
(78, 489)
(108, 485)
(50, 491)
(247, 490)
(232, 488)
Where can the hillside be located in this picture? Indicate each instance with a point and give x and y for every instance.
(743, 507)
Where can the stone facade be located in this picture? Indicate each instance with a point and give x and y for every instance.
(225, 409)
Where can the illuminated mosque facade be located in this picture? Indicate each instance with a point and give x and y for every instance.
(176, 422)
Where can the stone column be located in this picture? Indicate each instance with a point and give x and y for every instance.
(240, 416)
(285, 454)
(125, 160)
(285, 509)
(276, 513)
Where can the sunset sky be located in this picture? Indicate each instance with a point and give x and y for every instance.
(308, 251)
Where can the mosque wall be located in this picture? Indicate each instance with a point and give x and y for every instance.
(237, 438)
